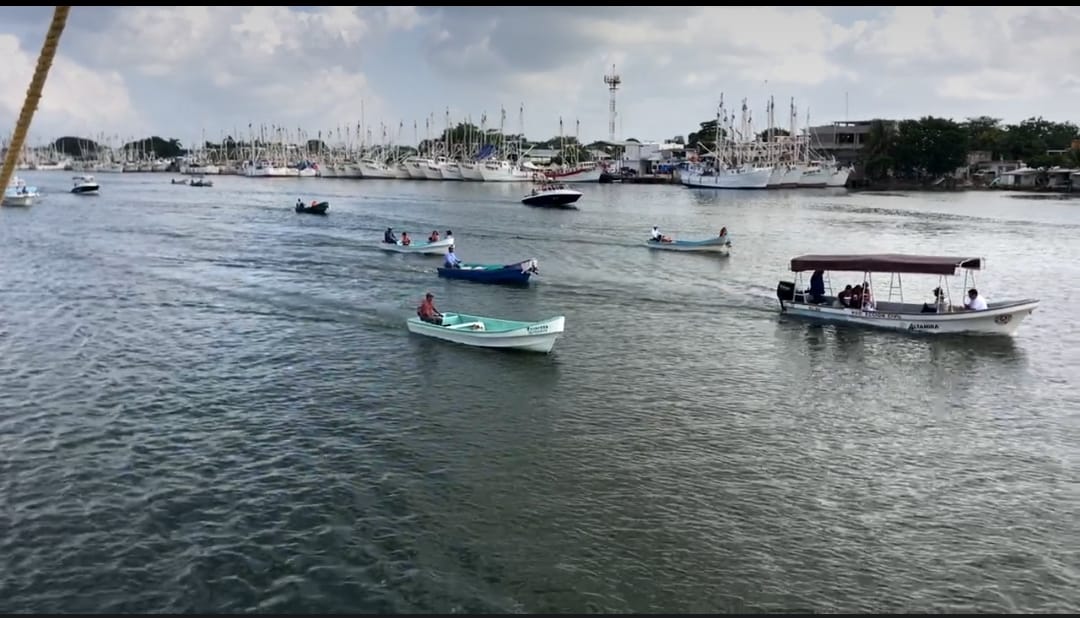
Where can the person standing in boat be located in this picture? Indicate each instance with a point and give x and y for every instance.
(427, 311)
(817, 286)
(452, 260)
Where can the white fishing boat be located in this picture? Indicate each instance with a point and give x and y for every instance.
(19, 194)
(937, 317)
(486, 332)
(85, 185)
(438, 247)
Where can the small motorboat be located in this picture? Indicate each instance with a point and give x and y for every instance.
(518, 273)
(492, 332)
(316, 208)
(720, 245)
(19, 194)
(438, 247)
(85, 185)
(179, 181)
(551, 195)
(201, 181)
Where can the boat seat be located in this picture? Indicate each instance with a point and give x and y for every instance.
(468, 326)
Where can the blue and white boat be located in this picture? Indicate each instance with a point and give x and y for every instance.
(518, 273)
(486, 332)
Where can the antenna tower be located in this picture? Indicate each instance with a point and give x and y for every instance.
(613, 81)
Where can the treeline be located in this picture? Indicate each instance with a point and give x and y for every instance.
(935, 147)
(83, 148)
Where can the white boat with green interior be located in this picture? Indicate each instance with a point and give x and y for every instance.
(939, 316)
(487, 332)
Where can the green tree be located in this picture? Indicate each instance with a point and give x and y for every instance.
(705, 136)
(877, 154)
(929, 147)
(986, 134)
(778, 132)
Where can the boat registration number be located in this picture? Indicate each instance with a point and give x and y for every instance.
(538, 329)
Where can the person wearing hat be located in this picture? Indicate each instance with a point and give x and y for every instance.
(388, 236)
(427, 311)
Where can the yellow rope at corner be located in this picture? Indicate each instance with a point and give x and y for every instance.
(33, 94)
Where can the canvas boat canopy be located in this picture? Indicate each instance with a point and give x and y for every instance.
(886, 263)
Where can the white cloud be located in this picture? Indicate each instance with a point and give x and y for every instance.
(75, 98)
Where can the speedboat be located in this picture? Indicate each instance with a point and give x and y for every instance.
(998, 318)
(85, 185)
(19, 194)
(201, 181)
(552, 195)
(518, 273)
(485, 332)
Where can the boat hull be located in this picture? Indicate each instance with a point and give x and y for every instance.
(429, 248)
(507, 274)
(712, 245)
(553, 199)
(20, 201)
(1000, 319)
(85, 189)
(506, 334)
(315, 209)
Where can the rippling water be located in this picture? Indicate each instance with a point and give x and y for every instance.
(211, 403)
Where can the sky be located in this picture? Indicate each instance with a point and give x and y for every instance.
(179, 71)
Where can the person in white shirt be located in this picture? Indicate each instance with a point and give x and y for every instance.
(975, 302)
(452, 260)
(655, 235)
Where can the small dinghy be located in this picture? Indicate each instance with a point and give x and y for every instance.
(492, 332)
(438, 247)
(719, 245)
(316, 208)
(518, 273)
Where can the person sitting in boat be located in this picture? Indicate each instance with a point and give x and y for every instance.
(427, 311)
(844, 297)
(452, 260)
(868, 303)
(855, 301)
(817, 286)
(434, 236)
(974, 301)
(299, 202)
(723, 232)
(388, 236)
(656, 236)
(449, 236)
(939, 302)
(405, 240)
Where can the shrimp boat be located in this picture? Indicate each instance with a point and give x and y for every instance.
(999, 318)
(485, 332)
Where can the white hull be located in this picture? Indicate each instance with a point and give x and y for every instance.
(814, 178)
(503, 171)
(19, 200)
(202, 170)
(377, 170)
(451, 171)
(776, 176)
(538, 337)
(754, 179)
(718, 249)
(839, 177)
(1002, 319)
(579, 175)
(471, 172)
(792, 176)
(415, 171)
(434, 248)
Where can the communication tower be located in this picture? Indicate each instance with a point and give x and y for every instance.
(613, 81)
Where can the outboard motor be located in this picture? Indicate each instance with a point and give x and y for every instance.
(785, 291)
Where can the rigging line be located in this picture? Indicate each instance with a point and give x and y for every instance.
(33, 93)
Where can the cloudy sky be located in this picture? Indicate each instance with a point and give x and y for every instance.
(175, 71)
